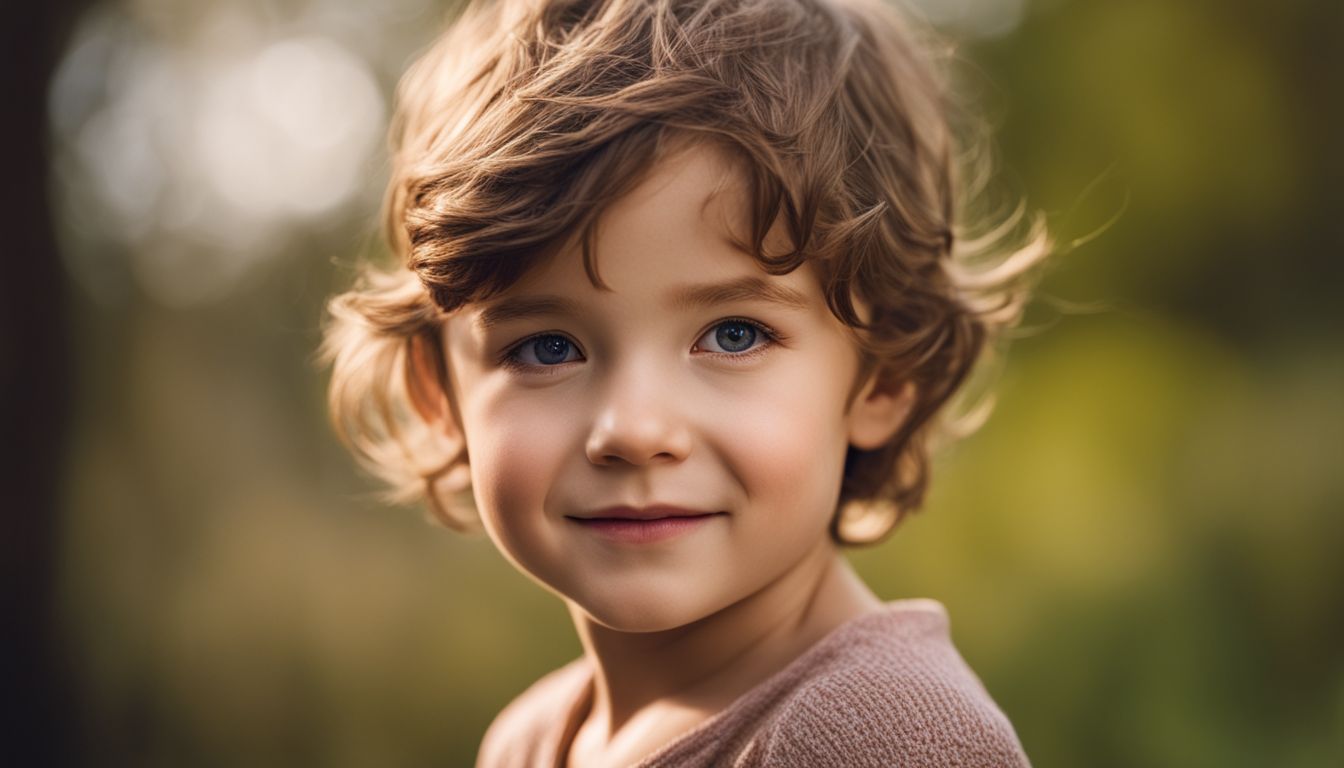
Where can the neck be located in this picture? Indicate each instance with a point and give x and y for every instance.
(703, 666)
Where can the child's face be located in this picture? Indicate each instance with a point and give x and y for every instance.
(633, 398)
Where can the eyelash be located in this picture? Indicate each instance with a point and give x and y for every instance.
(510, 361)
(772, 337)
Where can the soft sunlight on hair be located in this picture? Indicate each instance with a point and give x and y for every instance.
(526, 121)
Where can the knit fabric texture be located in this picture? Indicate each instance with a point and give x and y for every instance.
(885, 689)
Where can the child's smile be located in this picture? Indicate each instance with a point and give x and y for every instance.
(680, 298)
(698, 382)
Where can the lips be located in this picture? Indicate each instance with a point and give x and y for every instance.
(653, 512)
(643, 525)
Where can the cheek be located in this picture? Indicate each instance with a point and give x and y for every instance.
(786, 443)
(517, 446)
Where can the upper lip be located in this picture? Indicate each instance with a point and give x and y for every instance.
(651, 512)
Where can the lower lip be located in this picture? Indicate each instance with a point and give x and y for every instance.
(644, 531)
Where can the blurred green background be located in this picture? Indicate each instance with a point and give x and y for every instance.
(1140, 552)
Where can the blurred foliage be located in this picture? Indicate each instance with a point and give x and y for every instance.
(1140, 551)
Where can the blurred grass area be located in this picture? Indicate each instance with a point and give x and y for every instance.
(1140, 550)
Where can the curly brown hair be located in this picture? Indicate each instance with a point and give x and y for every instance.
(515, 131)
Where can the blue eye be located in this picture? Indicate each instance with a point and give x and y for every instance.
(545, 350)
(733, 337)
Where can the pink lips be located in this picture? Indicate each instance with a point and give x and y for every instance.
(631, 525)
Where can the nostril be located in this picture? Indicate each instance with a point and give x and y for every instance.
(639, 431)
(661, 448)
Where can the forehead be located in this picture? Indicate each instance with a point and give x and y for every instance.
(672, 241)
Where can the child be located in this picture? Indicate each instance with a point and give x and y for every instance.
(675, 311)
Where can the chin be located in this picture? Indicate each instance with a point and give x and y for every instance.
(641, 611)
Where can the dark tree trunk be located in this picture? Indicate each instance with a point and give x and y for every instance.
(35, 389)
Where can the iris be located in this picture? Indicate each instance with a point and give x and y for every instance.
(551, 350)
(735, 336)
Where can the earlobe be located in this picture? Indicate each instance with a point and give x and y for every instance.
(879, 412)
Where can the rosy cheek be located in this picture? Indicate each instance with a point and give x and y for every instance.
(789, 444)
(516, 448)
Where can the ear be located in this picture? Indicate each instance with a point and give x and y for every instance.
(880, 409)
(430, 393)
(426, 383)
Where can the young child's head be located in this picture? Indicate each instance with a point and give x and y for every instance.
(697, 253)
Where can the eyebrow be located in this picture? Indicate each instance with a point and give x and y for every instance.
(750, 288)
(523, 307)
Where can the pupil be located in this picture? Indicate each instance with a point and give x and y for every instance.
(735, 337)
(551, 349)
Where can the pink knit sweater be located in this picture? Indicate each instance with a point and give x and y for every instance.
(885, 689)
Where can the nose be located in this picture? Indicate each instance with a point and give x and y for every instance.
(638, 422)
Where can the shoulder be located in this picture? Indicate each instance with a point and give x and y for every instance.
(894, 692)
(535, 719)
